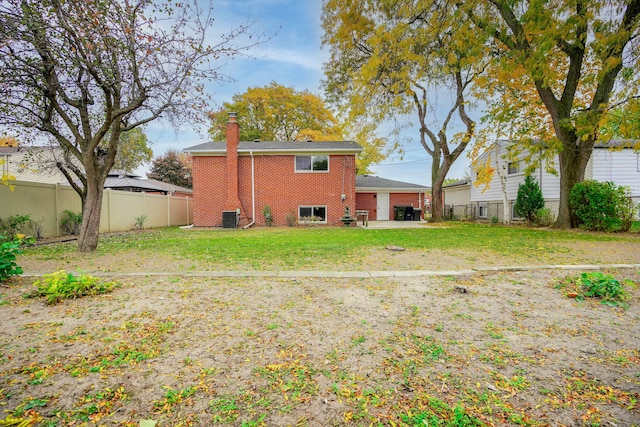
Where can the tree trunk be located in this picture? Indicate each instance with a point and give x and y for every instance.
(438, 175)
(573, 162)
(436, 186)
(90, 230)
(506, 212)
(436, 202)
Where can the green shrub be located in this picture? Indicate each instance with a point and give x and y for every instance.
(544, 217)
(627, 211)
(596, 285)
(603, 286)
(268, 216)
(529, 199)
(15, 224)
(62, 285)
(139, 222)
(71, 222)
(8, 265)
(598, 206)
(292, 219)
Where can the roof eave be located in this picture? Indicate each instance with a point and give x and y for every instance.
(391, 190)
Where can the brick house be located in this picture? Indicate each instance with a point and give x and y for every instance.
(379, 196)
(233, 182)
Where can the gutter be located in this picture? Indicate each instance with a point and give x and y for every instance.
(253, 193)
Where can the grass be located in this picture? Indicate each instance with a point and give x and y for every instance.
(269, 248)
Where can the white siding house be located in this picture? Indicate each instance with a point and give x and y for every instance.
(620, 165)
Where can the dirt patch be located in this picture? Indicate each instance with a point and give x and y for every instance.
(512, 350)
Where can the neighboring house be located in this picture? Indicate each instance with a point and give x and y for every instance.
(378, 196)
(235, 182)
(124, 181)
(21, 162)
(615, 161)
(457, 193)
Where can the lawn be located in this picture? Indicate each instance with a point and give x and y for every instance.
(490, 348)
(321, 248)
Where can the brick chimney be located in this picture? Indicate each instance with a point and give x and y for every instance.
(232, 201)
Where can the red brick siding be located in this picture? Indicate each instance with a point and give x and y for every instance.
(208, 190)
(403, 199)
(368, 201)
(276, 185)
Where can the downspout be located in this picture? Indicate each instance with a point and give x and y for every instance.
(253, 193)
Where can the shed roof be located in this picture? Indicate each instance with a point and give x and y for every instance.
(275, 147)
(459, 183)
(375, 183)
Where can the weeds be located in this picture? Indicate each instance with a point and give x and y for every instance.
(62, 285)
(596, 285)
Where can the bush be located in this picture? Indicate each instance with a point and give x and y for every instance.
(62, 285)
(292, 219)
(597, 285)
(529, 199)
(15, 224)
(8, 266)
(139, 222)
(598, 206)
(71, 222)
(268, 216)
(544, 217)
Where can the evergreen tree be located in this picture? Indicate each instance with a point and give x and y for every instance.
(529, 199)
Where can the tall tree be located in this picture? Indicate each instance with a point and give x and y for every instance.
(84, 72)
(557, 69)
(133, 150)
(396, 58)
(174, 167)
(280, 113)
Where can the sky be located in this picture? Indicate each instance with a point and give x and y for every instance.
(293, 57)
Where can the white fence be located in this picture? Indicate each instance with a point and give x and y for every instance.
(45, 204)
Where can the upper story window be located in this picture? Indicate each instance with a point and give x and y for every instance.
(312, 163)
(513, 168)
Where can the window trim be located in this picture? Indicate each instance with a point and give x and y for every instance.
(514, 215)
(516, 168)
(312, 207)
(312, 158)
(482, 206)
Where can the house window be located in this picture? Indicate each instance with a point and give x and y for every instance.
(513, 168)
(514, 214)
(312, 163)
(482, 210)
(312, 213)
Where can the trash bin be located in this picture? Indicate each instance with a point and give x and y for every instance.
(417, 214)
(408, 213)
(398, 213)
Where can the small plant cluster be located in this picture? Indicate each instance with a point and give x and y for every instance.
(71, 222)
(596, 285)
(62, 285)
(602, 206)
(8, 265)
(18, 227)
(292, 219)
(268, 216)
(139, 222)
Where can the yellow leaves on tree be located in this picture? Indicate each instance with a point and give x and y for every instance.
(279, 113)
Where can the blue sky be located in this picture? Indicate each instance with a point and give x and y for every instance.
(294, 58)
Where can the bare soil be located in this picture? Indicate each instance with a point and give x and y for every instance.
(492, 348)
